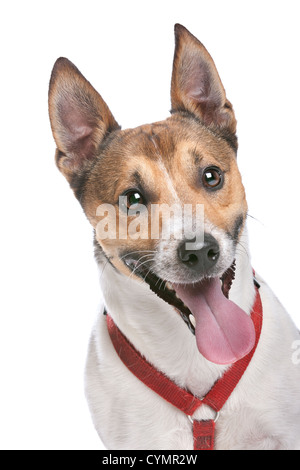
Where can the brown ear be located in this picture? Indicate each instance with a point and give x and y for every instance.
(196, 85)
(79, 118)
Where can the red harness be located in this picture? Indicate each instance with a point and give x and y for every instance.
(203, 431)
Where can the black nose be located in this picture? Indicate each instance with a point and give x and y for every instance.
(201, 260)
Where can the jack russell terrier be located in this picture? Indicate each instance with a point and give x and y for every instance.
(192, 349)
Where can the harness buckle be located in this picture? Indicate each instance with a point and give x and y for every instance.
(214, 420)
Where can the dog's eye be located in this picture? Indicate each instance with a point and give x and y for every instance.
(132, 200)
(213, 178)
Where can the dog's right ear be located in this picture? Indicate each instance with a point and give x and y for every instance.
(79, 117)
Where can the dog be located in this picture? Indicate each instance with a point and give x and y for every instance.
(181, 303)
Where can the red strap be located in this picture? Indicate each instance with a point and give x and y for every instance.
(177, 396)
(204, 433)
(154, 379)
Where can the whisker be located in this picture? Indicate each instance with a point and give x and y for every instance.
(141, 264)
(107, 260)
(254, 218)
(137, 251)
(105, 264)
(150, 270)
(144, 256)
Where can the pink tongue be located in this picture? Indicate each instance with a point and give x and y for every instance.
(224, 332)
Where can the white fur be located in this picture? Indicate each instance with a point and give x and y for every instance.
(262, 413)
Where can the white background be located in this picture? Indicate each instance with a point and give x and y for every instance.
(49, 286)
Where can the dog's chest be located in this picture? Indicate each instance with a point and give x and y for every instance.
(128, 415)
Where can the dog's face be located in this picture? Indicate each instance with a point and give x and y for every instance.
(186, 161)
(172, 164)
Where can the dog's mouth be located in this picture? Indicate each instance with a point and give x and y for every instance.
(224, 332)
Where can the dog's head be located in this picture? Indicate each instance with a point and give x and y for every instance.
(178, 176)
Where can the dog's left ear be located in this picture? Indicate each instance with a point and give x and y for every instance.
(196, 85)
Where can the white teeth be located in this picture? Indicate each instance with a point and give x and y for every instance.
(168, 285)
(192, 320)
